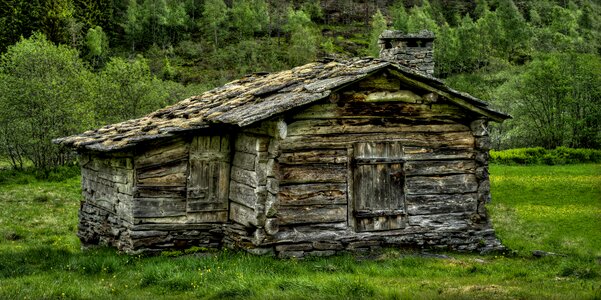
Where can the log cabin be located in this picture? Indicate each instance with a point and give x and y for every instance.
(330, 156)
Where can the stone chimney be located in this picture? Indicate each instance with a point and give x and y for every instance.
(412, 50)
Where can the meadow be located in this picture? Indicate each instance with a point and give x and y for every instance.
(553, 209)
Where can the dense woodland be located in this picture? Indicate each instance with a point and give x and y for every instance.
(71, 65)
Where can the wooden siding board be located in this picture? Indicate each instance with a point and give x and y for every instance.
(315, 173)
(463, 183)
(312, 194)
(311, 214)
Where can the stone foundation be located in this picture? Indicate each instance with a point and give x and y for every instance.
(100, 227)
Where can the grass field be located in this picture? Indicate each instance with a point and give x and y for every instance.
(550, 208)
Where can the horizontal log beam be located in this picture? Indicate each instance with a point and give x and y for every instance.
(312, 194)
(331, 173)
(312, 214)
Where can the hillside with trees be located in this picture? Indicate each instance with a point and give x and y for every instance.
(71, 65)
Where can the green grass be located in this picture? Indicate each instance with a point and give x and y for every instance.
(550, 208)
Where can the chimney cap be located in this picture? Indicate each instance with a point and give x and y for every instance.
(399, 35)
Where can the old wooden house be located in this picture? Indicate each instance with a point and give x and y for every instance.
(328, 156)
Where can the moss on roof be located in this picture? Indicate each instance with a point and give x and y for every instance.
(245, 101)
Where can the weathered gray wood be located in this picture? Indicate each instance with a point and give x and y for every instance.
(188, 219)
(125, 188)
(377, 188)
(201, 206)
(426, 112)
(337, 156)
(312, 173)
(243, 215)
(208, 182)
(362, 125)
(483, 143)
(312, 214)
(243, 194)
(479, 127)
(433, 140)
(380, 82)
(113, 175)
(251, 144)
(440, 167)
(484, 191)
(170, 168)
(102, 162)
(272, 204)
(266, 168)
(465, 183)
(159, 207)
(378, 184)
(381, 223)
(273, 185)
(244, 160)
(165, 153)
(393, 96)
(214, 216)
(173, 176)
(174, 227)
(276, 128)
(244, 176)
(350, 185)
(445, 153)
(272, 226)
(159, 192)
(312, 194)
(447, 221)
(441, 203)
(460, 101)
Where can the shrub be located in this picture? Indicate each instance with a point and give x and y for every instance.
(539, 155)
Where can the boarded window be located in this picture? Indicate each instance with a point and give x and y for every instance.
(208, 182)
(378, 186)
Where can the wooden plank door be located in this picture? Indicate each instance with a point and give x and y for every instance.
(378, 186)
(208, 182)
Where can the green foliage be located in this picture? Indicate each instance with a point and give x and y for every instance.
(400, 17)
(497, 50)
(378, 24)
(304, 38)
(249, 17)
(215, 16)
(96, 41)
(44, 92)
(313, 9)
(420, 17)
(154, 22)
(127, 89)
(98, 46)
(540, 155)
(555, 102)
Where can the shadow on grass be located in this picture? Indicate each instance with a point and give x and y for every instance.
(43, 259)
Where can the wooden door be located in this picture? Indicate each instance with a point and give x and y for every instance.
(208, 182)
(378, 186)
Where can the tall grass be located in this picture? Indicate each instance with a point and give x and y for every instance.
(550, 208)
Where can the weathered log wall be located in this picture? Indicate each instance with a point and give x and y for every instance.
(171, 195)
(253, 185)
(378, 163)
(181, 193)
(106, 212)
(443, 153)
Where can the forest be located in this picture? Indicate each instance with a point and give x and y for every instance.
(67, 66)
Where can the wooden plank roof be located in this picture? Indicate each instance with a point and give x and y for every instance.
(257, 97)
